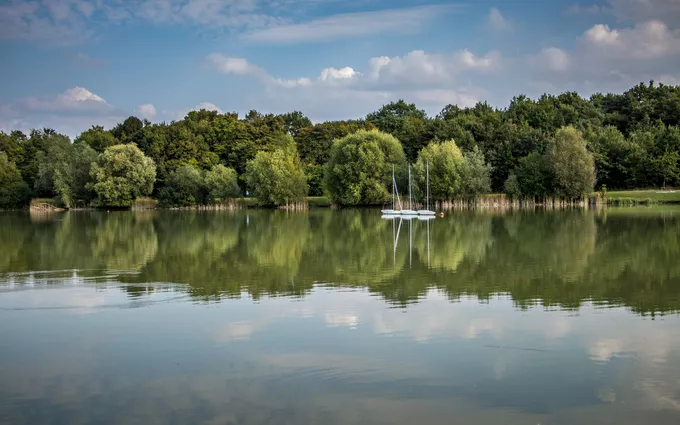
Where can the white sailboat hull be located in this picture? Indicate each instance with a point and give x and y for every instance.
(426, 212)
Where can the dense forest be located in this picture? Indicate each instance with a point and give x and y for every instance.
(561, 146)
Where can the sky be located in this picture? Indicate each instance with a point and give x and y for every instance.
(71, 64)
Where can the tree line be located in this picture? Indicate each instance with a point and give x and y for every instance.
(562, 146)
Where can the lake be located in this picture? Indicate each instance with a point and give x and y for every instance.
(340, 317)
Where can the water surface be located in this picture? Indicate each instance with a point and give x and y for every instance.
(340, 317)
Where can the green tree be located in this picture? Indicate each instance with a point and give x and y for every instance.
(446, 163)
(121, 174)
(221, 183)
(276, 177)
(511, 187)
(475, 174)
(315, 142)
(534, 177)
(294, 122)
(315, 173)
(129, 130)
(72, 176)
(58, 152)
(616, 158)
(11, 145)
(14, 192)
(359, 170)
(572, 165)
(405, 122)
(668, 166)
(36, 153)
(183, 187)
(97, 138)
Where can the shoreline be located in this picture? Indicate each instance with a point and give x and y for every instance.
(490, 201)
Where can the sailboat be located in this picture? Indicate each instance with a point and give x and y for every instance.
(409, 211)
(427, 212)
(393, 211)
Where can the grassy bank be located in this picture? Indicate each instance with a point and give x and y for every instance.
(652, 196)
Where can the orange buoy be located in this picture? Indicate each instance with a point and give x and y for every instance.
(441, 214)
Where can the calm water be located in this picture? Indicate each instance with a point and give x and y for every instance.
(339, 317)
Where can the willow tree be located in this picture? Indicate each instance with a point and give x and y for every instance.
(276, 177)
(359, 170)
(121, 174)
(572, 165)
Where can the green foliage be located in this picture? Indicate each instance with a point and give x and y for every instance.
(359, 170)
(14, 192)
(183, 187)
(511, 187)
(58, 152)
(534, 177)
(72, 179)
(475, 174)
(129, 130)
(36, 149)
(616, 158)
(97, 138)
(446, 163)
(295, 121)
(276, 177)
(121, 174)
(221, 183)
(405, 122)
(571, 163)
(11, 145)
(634, 138)
(315, 142)
(315, 175)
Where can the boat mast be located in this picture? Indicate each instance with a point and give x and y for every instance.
(427, 191)
(410, 207)
(392, 187)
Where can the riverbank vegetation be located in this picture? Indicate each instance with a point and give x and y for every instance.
(555, 147)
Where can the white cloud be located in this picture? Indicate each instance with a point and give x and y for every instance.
(208, 107)
(432, 80)
(498, 21)
(490, 61)
(462, 98)
(147, 111)
(553, 59)
(234, 66)
(609, 58)
(350, 25)
(417, 70)
(69, 112)
(644, 41)
(345, 73)
(76, 98)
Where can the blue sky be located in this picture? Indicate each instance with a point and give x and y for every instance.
(68, 64)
